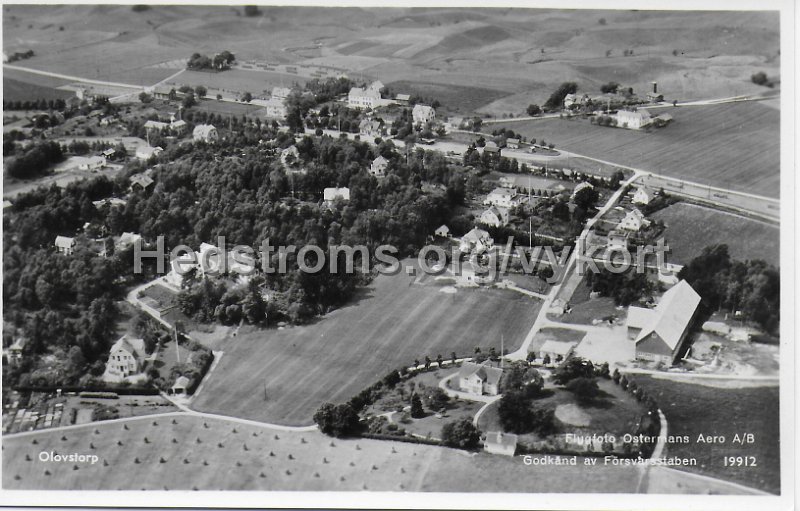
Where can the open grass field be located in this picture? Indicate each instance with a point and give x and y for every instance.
(698, 409)
(733, 146)
(226, 108)
(455, 99)
(255, 82)
(209, 454)
(393, 323)
(691, 228)
(14, 90)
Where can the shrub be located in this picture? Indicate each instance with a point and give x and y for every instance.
(337, 420)
(461, 434)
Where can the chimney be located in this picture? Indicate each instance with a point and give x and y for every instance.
(655, 88)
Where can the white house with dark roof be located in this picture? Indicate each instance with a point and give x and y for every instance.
(423, 114)
(65, 245)
(497, 442)
(659, 333)
(479, 379)
(126, 358)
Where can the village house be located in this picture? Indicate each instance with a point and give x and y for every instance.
(558, 351)
(498, 442)
(512, 143)
(492, 150)
(659, 333)
(141, 182)
(91, 162)
(479, 379)
(65, 245)
(126, 240)
(281, 93)
(570, 99)
(146, 152)
(403, 99)
(442, 231)
(378, 167)
(14, 352)
(109, 153)
(476, 240)
(633, 221)
(503, 197)
(363, 98)
(205, 133)
(642, 196)
(126, 358)
(495, 216)
(633, 120)
(423, 114)
(274, 109)
(370, 128)
(330, 195)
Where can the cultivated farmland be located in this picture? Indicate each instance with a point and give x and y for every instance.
(733, 146)
(393, 323)
(691, 228)
(697, 409)
(208, 454)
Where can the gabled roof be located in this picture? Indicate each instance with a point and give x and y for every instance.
(402, 97)
(557, 347)
(65, 242)
(203, 130)
(132, 345)
(503, 191)
(490, 375)
(141, 180)
(443, 228)
(476, 235)
(181, 382)
(380, 160)
(671, 316)
(423, 110)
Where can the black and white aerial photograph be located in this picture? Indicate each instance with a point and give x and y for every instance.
(467, 255)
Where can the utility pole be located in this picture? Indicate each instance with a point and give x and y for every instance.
(502, 351)
(177, 350)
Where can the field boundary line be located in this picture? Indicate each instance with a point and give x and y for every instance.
(73, 78)
(94, 423)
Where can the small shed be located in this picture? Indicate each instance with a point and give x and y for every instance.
(442, 231)
(498, 442)
(180, 386)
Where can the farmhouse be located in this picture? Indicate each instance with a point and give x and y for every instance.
(281, 93)
(91, 163)
(642, 196)
(633, 221)
(275, 109)
(370, 128)
(556, 350)
(495, 216)
(141, 182)
(331, 194)
(442, 231)
(659, 333)
(479, 379)
(126, 357)
(503, 197)
(476, 240)
(205, 133)
(498, 442)
(361, 98)
(633, 120)
(378, 167)
(65, 245)
(423, 114)
(144, 153)
(512, 143)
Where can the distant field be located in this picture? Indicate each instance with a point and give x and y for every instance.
(257, 458)
(14, 90)
(454, 98)
(226, 107)
(691, 228)
(393, 323)
(255, 82)
(734, 146)
(697, 409)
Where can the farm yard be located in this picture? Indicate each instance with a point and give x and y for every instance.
(183, 452)
(734, 146)
(394, 322)
(694, 409)
(746, 239)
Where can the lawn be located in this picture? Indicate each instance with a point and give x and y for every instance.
(226, 108)
(734, 146)
(207, 454)
(256, 82)
(15, 90)
(690, 228)
(698, 409)
(392, 323)
(455, 98)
